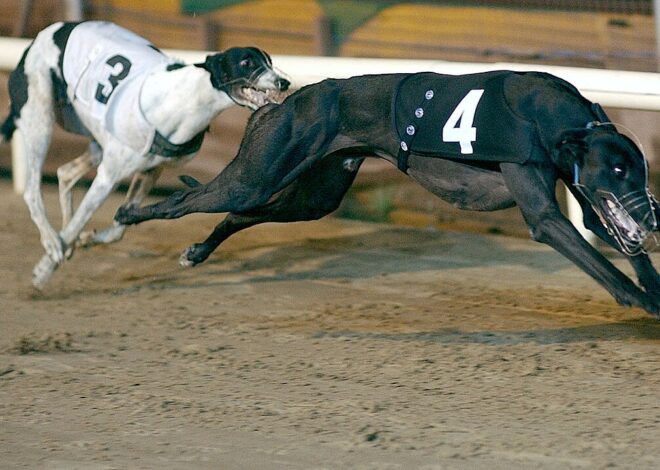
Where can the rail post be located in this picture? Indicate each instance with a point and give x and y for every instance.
(18, 165)
(324, 38)
(656, 15)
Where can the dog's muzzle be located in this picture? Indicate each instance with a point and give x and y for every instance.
(253, 94)
(621, 216)
(630, 220)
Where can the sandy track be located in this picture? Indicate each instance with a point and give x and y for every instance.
(332, 344)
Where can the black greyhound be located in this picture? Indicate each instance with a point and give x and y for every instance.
(481, 142)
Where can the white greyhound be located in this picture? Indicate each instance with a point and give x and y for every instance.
(140, 108)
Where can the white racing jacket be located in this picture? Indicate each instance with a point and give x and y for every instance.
(104, 67)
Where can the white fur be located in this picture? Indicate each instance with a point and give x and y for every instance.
(179, 104)
(36, 123)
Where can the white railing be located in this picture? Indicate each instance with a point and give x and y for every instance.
(613, 88)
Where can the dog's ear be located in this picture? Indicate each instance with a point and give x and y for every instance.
(261, 55)
(573, 143)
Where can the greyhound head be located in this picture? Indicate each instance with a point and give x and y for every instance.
(611, 172)
(246, 74)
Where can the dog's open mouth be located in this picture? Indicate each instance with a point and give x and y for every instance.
(256, 97)
(632, 222)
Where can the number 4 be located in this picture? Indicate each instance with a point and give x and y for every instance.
(464, 133)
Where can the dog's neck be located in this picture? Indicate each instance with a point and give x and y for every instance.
(181, 103)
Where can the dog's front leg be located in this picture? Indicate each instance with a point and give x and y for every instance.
(532, 187)
(646, 273)
(112, 169)
(97, 193)
(36, 139)
(50, 239)
(70, 173)
(138, 190)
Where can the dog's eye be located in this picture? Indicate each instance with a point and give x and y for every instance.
(619, 170)
(245, 63)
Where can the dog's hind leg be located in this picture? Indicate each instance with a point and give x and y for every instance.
(316, 193)
(36, 124)
(70, 173)
(140, 186)
(32, 112)
(280, 143)
(97, 193)
(533, 189)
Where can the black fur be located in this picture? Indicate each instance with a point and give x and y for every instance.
(65, 114)
(61, 37)
(299, 158)
(175, 66)
(18, 94)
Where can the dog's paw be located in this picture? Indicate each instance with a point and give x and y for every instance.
(127, 215)
(42, 271)
(653, 305)
(87, 239)
(53, 245)
(68, 252)
(123, 215)
(193, 255)
(653, 309)
(108, 235)
(643, 301)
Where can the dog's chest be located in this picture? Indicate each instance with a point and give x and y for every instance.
(104, 67)
(460, 117)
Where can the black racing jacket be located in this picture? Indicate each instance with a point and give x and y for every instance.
(460, 117)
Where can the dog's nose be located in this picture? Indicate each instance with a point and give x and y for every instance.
(283, 84)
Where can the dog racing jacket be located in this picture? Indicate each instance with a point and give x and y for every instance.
(105, 67)
(464, 118)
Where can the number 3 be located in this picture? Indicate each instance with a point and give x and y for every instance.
(464, 133)
(125, 67)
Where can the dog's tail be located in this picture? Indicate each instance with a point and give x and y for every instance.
(18, 96)
(7, 128)
(189, 181)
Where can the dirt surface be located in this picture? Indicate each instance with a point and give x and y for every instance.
(332, 344)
